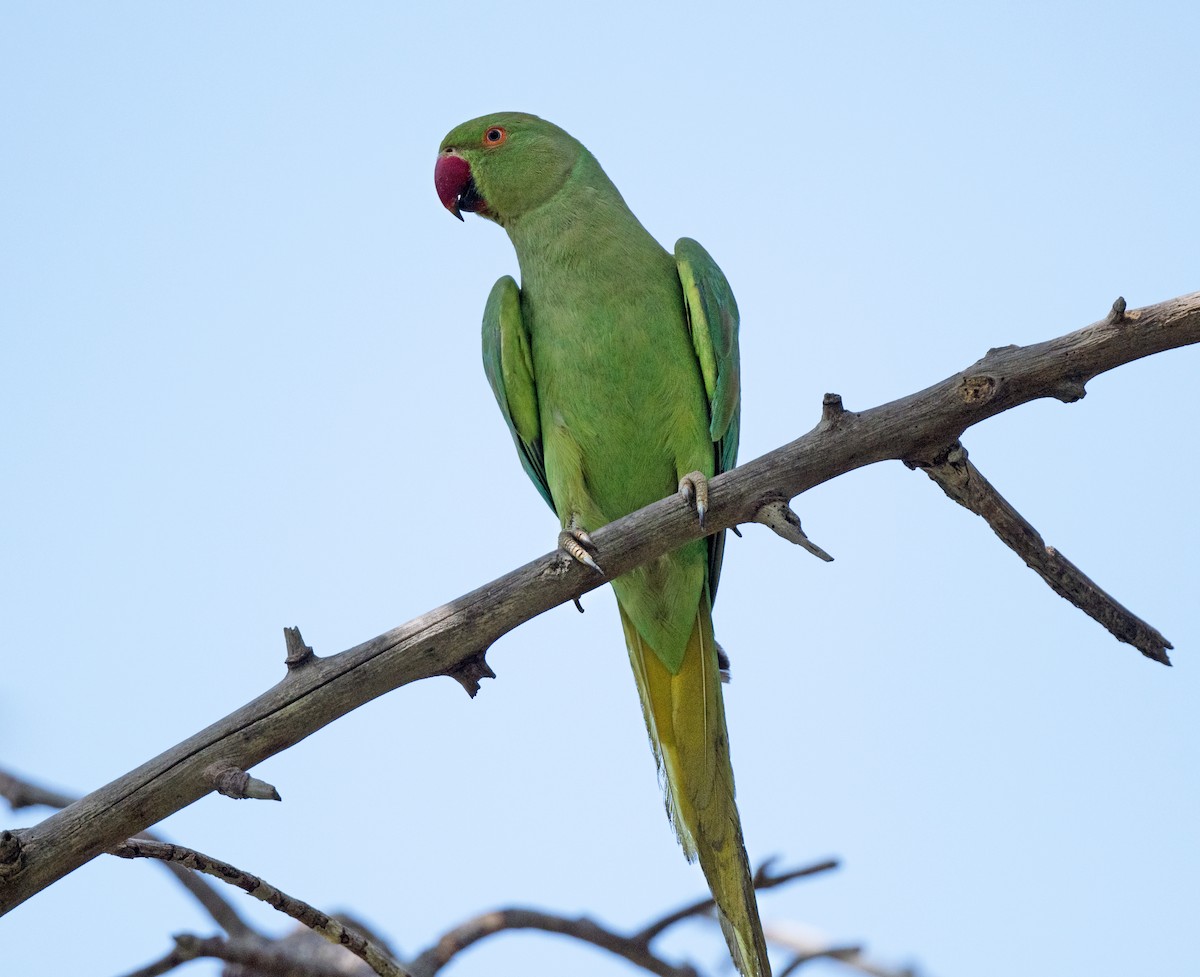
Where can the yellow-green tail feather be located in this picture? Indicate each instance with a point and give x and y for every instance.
(685, 716)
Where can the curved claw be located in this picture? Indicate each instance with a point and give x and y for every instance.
(694, 488)
(576, 543)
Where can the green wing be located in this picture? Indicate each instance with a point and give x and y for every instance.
(508, 364)
(713, 321)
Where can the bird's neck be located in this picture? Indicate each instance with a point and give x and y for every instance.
(585, 225)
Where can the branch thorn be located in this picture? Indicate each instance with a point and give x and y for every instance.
(832, 409)
(778, 516)
(470, 670)
(232, 781)
(298, 653)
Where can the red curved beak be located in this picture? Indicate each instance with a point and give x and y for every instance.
(452, 179)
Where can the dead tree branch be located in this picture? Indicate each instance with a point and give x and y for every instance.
(247, 955)
(763, 879)
(327, 926)
(305, 952)
(850, 956)
(580, 928)
(965, 484)
(635, 947)
(842, 953)
(316, 691)
(21, 793)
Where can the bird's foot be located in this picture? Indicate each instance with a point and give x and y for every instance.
(578, 545)
(694, 488)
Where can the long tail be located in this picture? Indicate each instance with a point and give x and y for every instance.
(685, 716)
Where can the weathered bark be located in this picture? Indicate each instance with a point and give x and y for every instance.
(452, 639)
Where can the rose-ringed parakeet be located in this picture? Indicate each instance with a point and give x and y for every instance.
(615, 365)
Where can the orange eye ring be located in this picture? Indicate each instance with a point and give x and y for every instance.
(495, 135)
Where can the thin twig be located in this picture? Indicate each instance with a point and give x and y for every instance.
(806, 948)
(21, 793)
(164, 965)
(635, 948)
(252, 955)
(914, 428)
(958, 477)
(843, 953)
(579, 928)
(215, 904)
(763, 879)
(327, 926)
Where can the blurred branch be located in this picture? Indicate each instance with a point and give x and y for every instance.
(332, 929)
(580, 928)
(300, 954)
(841, 953)
(164, 965)
(763, 879)
(850, 956)
(635, 948)
(965, 484)
(806, 950)
(452, 639)
(22, 793)
(251, 955)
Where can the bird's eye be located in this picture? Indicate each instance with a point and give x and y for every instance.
(495, 136)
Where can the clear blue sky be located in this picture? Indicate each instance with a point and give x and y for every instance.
(240, 389)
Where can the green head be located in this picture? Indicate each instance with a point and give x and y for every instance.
(503, 165)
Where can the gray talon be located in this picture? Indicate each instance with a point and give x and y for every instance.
(694, 488)
(576, 543)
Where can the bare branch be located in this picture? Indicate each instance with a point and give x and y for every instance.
(843, 953)
(806, 948)
(912, 429)
(260, 955)
(763, 879)
(164, 965)
(580, 928)
(965, 484)
(634, 948)
(327, 926)
(21, 793)
(251, 955)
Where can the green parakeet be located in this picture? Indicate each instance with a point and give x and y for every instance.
(615, 365)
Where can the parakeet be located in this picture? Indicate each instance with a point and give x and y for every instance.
(615, 365)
